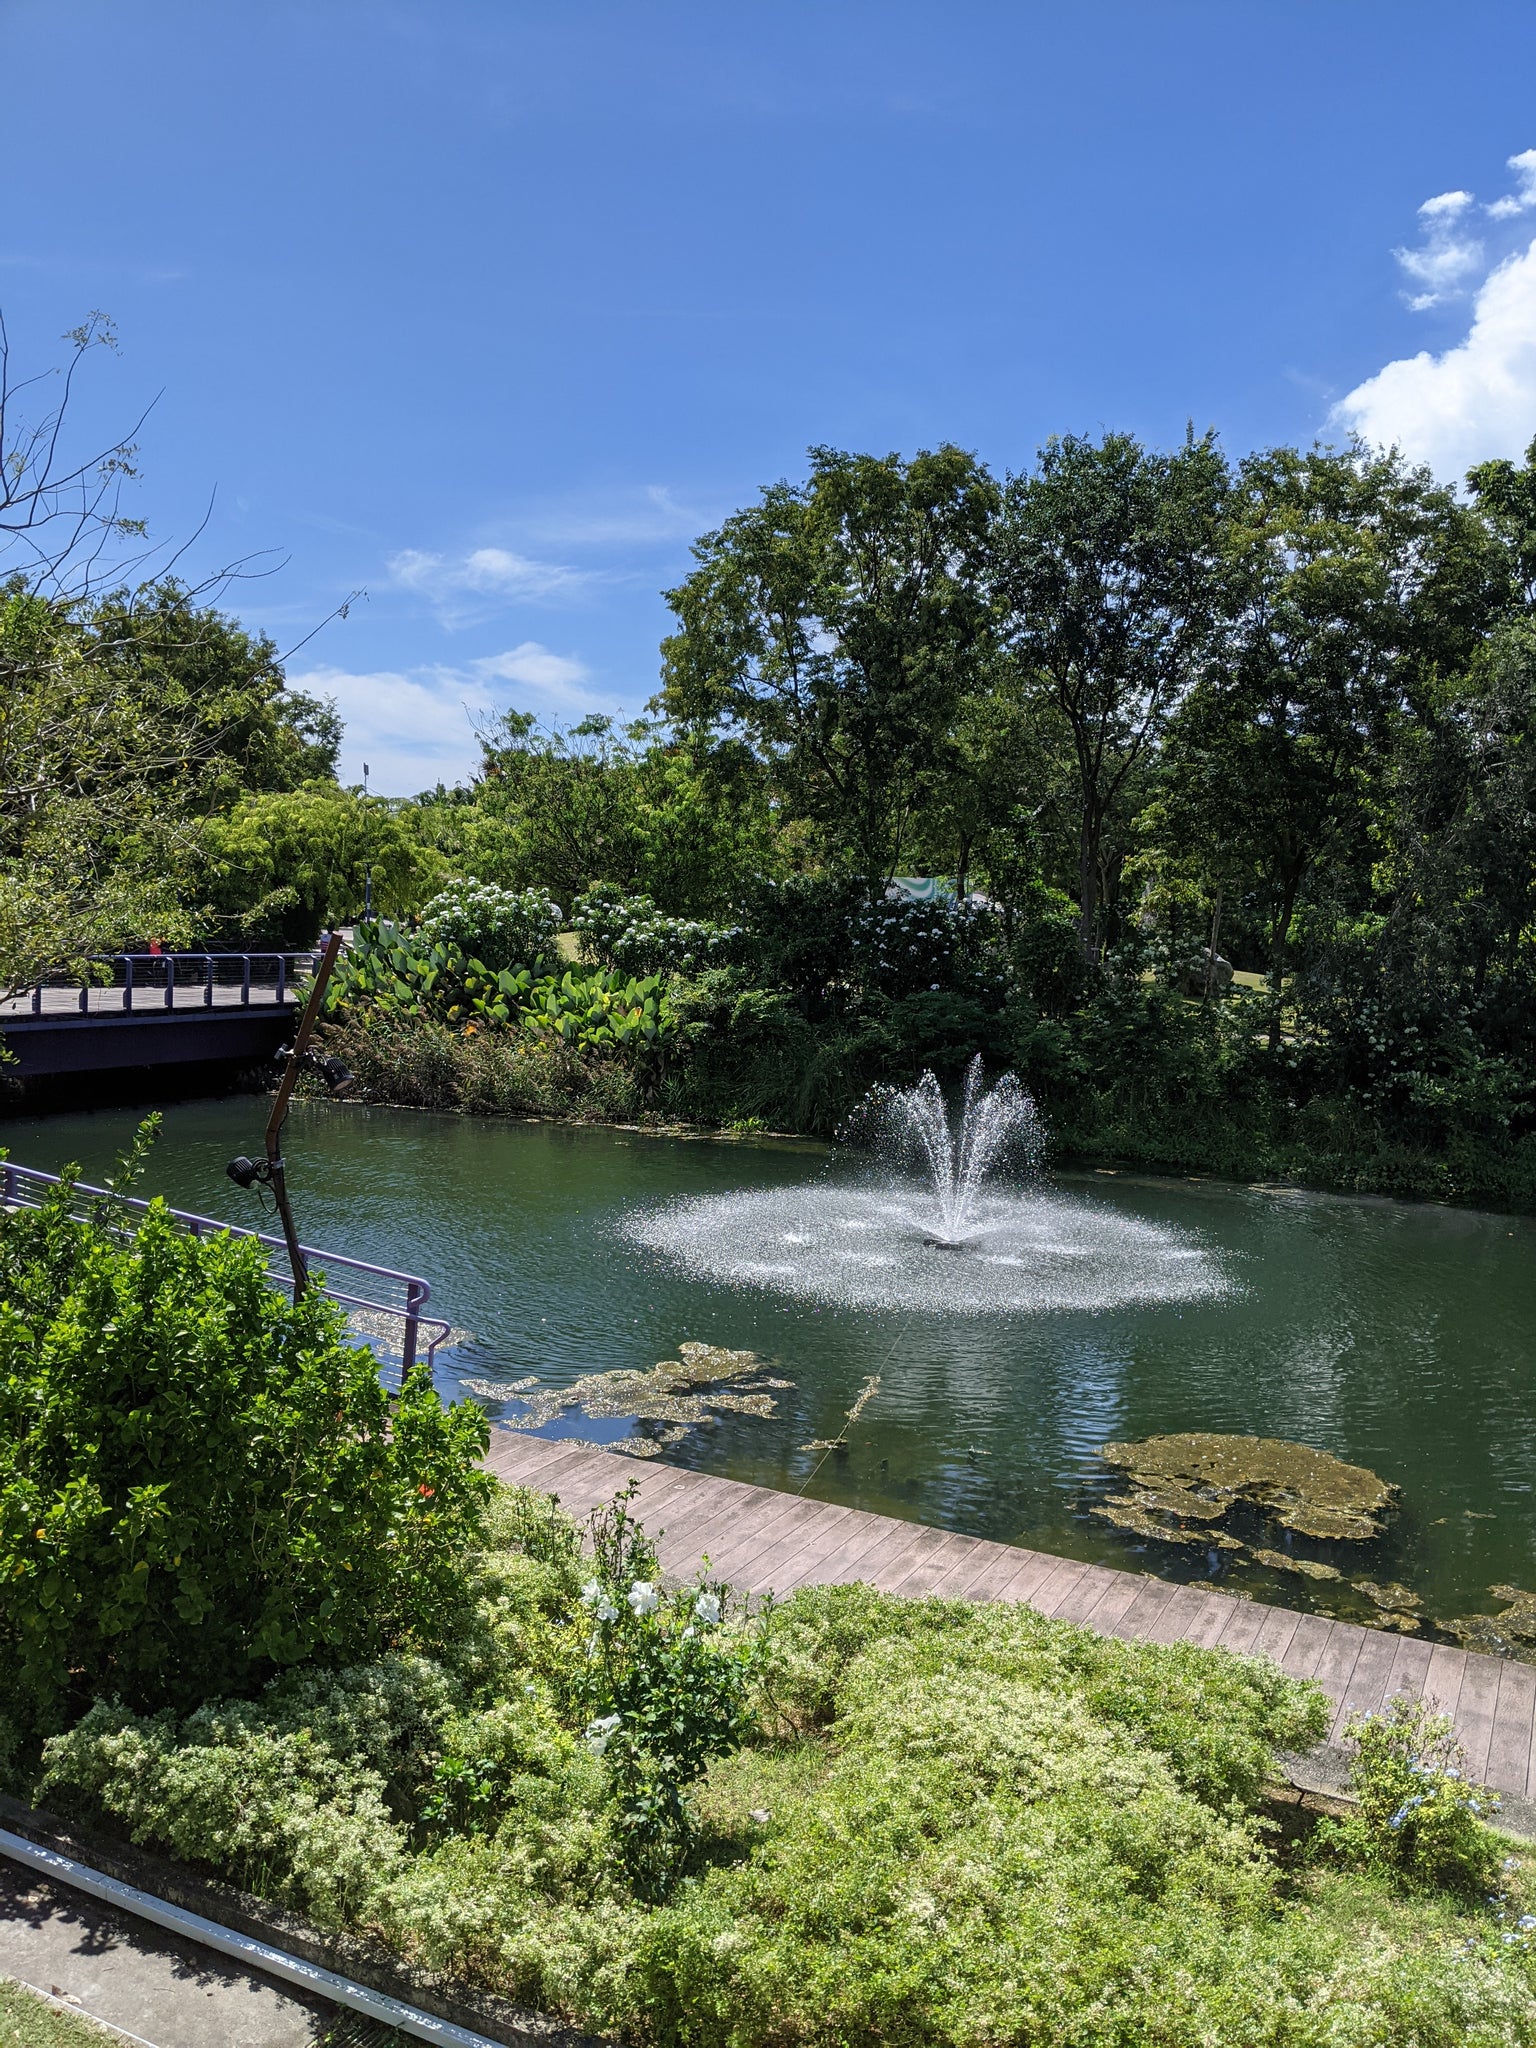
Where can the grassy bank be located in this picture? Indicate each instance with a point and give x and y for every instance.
(915, 1822)
(806, 1081)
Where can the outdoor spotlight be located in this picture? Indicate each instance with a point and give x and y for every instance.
(245, 1172)
(335, 1075)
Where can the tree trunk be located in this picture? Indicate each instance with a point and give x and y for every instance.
(1210, 951)
(1088, 888)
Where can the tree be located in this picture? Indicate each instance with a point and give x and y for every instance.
(284, 862)
(1106, 574)
(126, 718)
(835, 627)
(1350, 582)
(682, 818)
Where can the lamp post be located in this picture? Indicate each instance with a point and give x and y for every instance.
(270, 1172)
(367, 866)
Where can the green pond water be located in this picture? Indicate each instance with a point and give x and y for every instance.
(1398, 1337)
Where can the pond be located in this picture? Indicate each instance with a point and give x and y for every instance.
(1398, 1337)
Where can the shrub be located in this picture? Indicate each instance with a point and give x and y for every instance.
(1418, 1816)
(665, 1689)
(502, 928)
(631, 934)
(201, 1481)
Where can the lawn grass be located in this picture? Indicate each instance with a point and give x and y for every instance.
(30, 2021)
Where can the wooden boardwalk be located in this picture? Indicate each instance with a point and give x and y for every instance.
(761, 1541)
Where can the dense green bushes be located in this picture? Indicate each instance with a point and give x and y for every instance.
(924, 1823)
(201, 1482)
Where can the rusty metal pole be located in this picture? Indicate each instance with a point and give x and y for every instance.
(276, 1175)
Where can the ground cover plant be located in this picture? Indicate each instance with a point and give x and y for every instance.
(852, 1818)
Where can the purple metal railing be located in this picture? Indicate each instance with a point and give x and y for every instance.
(161, 975)
(22, 1188)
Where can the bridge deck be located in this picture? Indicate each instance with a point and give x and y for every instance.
(761, 1541)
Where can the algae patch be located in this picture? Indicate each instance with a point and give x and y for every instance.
(1182, 1488)
(1511, 1634)
(679, 1394)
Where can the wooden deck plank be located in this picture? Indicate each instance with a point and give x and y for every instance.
(1442, 1681)
(1116, 1592)
(1275, 1632)
(1367, 1688)
(1144, 1611)
(1036, 1567)
(1097, 1583)
(1186, 1610)
(702, 1517)
(930, 1573)
(996, 1564)
(1336, 1665)
(1057, 1586)
(750, 1538)
(1308, 1641)
(1210, 1620)
(890, 1573)
(1474, 1711)
(1509, 1751)
(866, 1540)
(1410, 1668)
(1243, 1627)
(806, 1555)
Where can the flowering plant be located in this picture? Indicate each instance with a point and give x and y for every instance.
(665, 1688)
(1418, 1814)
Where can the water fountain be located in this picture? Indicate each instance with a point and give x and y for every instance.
(927, 1211)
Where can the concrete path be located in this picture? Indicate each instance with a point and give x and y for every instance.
(154, 1989)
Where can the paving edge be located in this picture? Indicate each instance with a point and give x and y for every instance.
(1322, 1775)
(366, 1962)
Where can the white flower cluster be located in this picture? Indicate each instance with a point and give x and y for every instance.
(630, 933)
(902, 945)
(499, 927)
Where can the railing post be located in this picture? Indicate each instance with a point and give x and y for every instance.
(282, 978)
(85, 990)
(37, 997)
(207, 981)
(416, 1293)
(127, 981)
(170, 981)
(245, 981)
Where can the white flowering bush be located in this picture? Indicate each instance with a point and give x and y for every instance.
(902, 947)
(667, 1685)
(501, 928)
(631, 934)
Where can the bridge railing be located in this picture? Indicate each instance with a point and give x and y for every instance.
(406, 1294)
(173, 981)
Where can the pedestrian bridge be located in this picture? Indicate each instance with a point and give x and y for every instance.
(153, 1010)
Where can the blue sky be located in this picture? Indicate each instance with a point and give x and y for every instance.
(488, 308)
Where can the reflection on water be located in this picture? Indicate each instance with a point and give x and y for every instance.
(1396, 1337)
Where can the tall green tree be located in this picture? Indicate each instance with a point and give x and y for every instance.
(1107, 577)
(836, 625)
(681, 817)
(1350, 582)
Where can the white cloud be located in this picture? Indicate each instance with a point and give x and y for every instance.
(557, 675)
(1471, 402)
(466, 587)
(416, 728)
(1448, 256)
(1524, 168)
